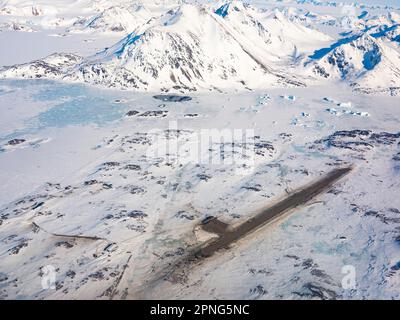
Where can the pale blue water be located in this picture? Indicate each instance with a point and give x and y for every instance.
(70, 104)
(316, 154)
(82, 105)
(323, 247)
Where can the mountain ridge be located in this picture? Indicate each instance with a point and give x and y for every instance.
(230, 47)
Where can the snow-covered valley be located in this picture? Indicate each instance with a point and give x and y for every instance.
(104, 187)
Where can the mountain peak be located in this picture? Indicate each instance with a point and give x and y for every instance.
(225, 9)
(232, 47)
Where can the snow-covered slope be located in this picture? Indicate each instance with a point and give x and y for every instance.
(114, 19)
(189, 48)
(276, 38)
(104, 192)
(367, 63)
(54, 67)
(226, 46)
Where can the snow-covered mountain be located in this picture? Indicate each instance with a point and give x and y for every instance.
(114, 19)
(54, 67)
(276, 37)
(230, 46)
(366, 63)
(189, 48)
(108, 194)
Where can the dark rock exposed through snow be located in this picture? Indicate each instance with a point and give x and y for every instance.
(172, 98)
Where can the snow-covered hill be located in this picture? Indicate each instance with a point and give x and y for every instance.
(188, 48)
(276, 37)
(114, 19)
(228, 46)
(104, 194)
(54, 66)
(365, 62)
